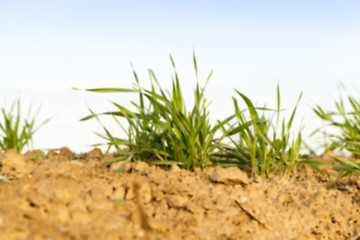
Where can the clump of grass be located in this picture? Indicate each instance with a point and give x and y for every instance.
(348, 124)
(163, 130)
(256, 142)
(16, 133)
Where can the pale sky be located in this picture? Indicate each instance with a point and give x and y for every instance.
(48, 47)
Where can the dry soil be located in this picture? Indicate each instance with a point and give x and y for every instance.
(74, 197)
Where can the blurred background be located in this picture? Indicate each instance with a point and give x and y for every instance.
(49, 47)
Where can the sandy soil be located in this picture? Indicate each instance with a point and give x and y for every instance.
(75, 197)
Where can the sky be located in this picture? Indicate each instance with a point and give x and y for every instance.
(49, 47)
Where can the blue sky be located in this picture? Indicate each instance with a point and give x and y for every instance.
(48, 47)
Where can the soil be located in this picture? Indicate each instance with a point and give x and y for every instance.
(71, 197)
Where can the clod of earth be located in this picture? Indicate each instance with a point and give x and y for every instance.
(231, 175)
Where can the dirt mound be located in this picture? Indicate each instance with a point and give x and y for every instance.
(65, 196)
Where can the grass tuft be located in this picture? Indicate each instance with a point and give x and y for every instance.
(15, 132)
(163, 130)
(348, 124)
(257, 143)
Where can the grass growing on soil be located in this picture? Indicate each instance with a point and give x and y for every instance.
(164, 131)
(348, 122)
(256, 141)
(16, 132)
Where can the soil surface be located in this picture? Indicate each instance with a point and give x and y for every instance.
(73, 197)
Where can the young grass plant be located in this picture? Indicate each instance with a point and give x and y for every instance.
(163, 131)
(15, 132)
(348, 123)
(256, 141)
(349, 126)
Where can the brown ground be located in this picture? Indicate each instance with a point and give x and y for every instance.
(66, 198)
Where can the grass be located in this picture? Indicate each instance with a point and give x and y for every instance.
(163, 130)
(347, 167)
(15, 132)
(348, 124)
(256, 142)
